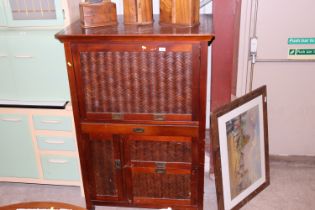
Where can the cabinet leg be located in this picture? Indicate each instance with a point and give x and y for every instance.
(90, 207)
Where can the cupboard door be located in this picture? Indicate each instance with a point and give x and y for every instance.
(147, 81)
(39, 72)
(7, 87)
(105, 167)
(162, 169)
(17, 155)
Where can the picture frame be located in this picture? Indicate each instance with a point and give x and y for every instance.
(239, 138)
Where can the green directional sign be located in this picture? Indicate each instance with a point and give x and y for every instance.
(292, 41)
(301, 52)
(305, 52)
(292, 51)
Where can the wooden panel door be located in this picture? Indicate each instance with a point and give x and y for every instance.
(162, 170)
(137, 81)
(105, 167)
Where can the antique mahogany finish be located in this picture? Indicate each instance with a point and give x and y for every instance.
(139, 101)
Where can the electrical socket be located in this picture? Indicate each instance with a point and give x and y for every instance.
(253, 45)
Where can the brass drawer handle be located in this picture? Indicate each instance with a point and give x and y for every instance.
(138, 130)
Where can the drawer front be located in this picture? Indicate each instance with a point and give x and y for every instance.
(57, 167)
(140, 129)
(56, 143)
(57, 123)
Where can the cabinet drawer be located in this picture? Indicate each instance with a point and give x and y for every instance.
(58, 123)
(163, 185)
(56, 167)
(141, 129)
(56, 143)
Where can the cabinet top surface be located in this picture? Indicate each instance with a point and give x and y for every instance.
(156, 31)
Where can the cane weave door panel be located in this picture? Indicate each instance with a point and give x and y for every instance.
(137, 81)
(105, 161)
(161, 169)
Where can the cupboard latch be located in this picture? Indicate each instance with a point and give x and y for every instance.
(117, 164)
(160, 167)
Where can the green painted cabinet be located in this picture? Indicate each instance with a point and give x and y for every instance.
(32, 66)
(7, 83)
(38, 65)
(17, 154)
(3, 21)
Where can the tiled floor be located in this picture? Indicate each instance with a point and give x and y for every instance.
(292, 188)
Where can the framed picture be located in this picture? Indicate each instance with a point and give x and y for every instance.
(239, 137)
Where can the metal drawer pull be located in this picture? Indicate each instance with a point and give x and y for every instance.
(160, 167)
(138, 130)
(11, 120)
(54, 142)
(58, 161)
(51, 121)
(23, 56)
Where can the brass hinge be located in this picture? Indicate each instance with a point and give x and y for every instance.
(117, 116)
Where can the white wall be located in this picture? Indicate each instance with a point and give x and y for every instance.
(290, 85)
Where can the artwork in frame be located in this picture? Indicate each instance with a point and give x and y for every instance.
(239, 137)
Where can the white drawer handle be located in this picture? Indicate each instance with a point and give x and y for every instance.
(23, 56)
(11, 120)
(51, 121)
(58, 161)
(54, 142)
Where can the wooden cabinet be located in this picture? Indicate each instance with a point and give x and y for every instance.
(139, 100)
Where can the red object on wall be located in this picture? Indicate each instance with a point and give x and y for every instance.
(226, 19)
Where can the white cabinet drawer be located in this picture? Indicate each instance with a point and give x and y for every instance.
(56, 123)
(53, 143)
(58, 167)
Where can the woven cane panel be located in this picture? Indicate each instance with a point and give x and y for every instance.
(103, 167)
(170, 186)
(161, 151)
(137, 82)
